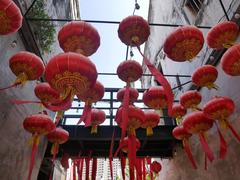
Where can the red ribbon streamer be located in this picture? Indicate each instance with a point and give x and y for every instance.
(33, 154)
(86, 115)
(189, 153)
(206, 148)
(161, 79)
(111, 154)
(144, 169)
(205, 162)
(87, 161)
(139, 168)
(131, 154)
(94, 168)
(123, 164)
(19, 102)
(234, 132)
(81, 169)
(74, 170)
(223, 144)
(125, 112)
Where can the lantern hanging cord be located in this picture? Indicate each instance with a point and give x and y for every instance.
(136, 7)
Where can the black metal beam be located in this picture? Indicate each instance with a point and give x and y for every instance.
(224, 10)
(167, 75)
(30, 7)
(110, 22)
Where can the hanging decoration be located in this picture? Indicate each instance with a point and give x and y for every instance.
(133, 95)
(184, 43)
(191, 99)
(155, 167)
(57, 137)
(26, 66)
(181, 134)
(64, 161)
(151, 120)
(91, 96)
(198, 123)
(80, 37)
(205, 76)
(134, 31)
(70, 74)
(97, 117)
(155, 98)
(125, 142)
(178, 111)
(221, 108)
(230, 61)
(37, 125)
(222, 35)
(10, 17)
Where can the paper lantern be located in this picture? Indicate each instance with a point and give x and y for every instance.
(151, 120)
(231, 61)
(70, 74)
(133, 30)
(205, 76)
(10, 17)
(155, 167)
(178, 111)
(133, 95)
(97, 117)
(37, 125)
(184, 43)
(135, 118)
(26, 66)
(222, 35)
(221, 108)
(91, 96)
(190, 99)
(198, 123)
(155, 98)
(181, 134)
(125, 142)
(79, 37)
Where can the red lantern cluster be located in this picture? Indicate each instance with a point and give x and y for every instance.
(79, 37)
(10, 17)
(222, 35)
(184, 43)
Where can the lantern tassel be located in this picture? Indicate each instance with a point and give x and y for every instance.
(58, 117)
(223, 144)
(206, 148)
(149, 131)
(35, 141)
(161, 79)
(94, 169)
(234, 132)
(94, 129)
(189, 153)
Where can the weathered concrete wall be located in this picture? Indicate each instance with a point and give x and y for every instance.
(14, 149)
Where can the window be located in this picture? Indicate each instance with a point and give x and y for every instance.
(194, 6)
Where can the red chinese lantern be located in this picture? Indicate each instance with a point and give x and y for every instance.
(155, 98)
(70, 74)
(133, 95)
(26, 66)
(205, 76)
(190, 99)
(37, 125)
(64, 161)
(91, 96)
(97, 117)
(198, 123)
(57, 137)
(181, 134)
(125, 142)
(221, 108)
(222, 35)
(10, 17)
(178, 111)
(231, 61)
(133, 30)
(151, 121)
(155, 167)
(184, 43)
(79, 37)
(135, 118)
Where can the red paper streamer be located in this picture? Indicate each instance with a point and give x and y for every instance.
(144, 169)
(86, 115)
(223, 144)
(125, 111)
(205, 162)
(94, 168)
(234, 132)
(123, 164)
(74, 170)
(111, 154)
(161, 79)
(206, 148)
(189, 153)
(19, 102)
(131, 154)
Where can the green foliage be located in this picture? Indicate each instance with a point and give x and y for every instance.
(43, 30)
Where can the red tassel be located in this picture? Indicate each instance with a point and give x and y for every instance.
(131, 154)
(223, 144)
(189, 153)
(139, 168)
(205, 162)
(74, 170)
(33, 154)
(234, 132)
(86, 111)
(123, 164)
(19, 102)
(94, 168)
(87, 160)
(161, 79)
(125, 112)
(80, 169)
(206, 148)
(54, 152)
(111, 154)
(144, 169)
